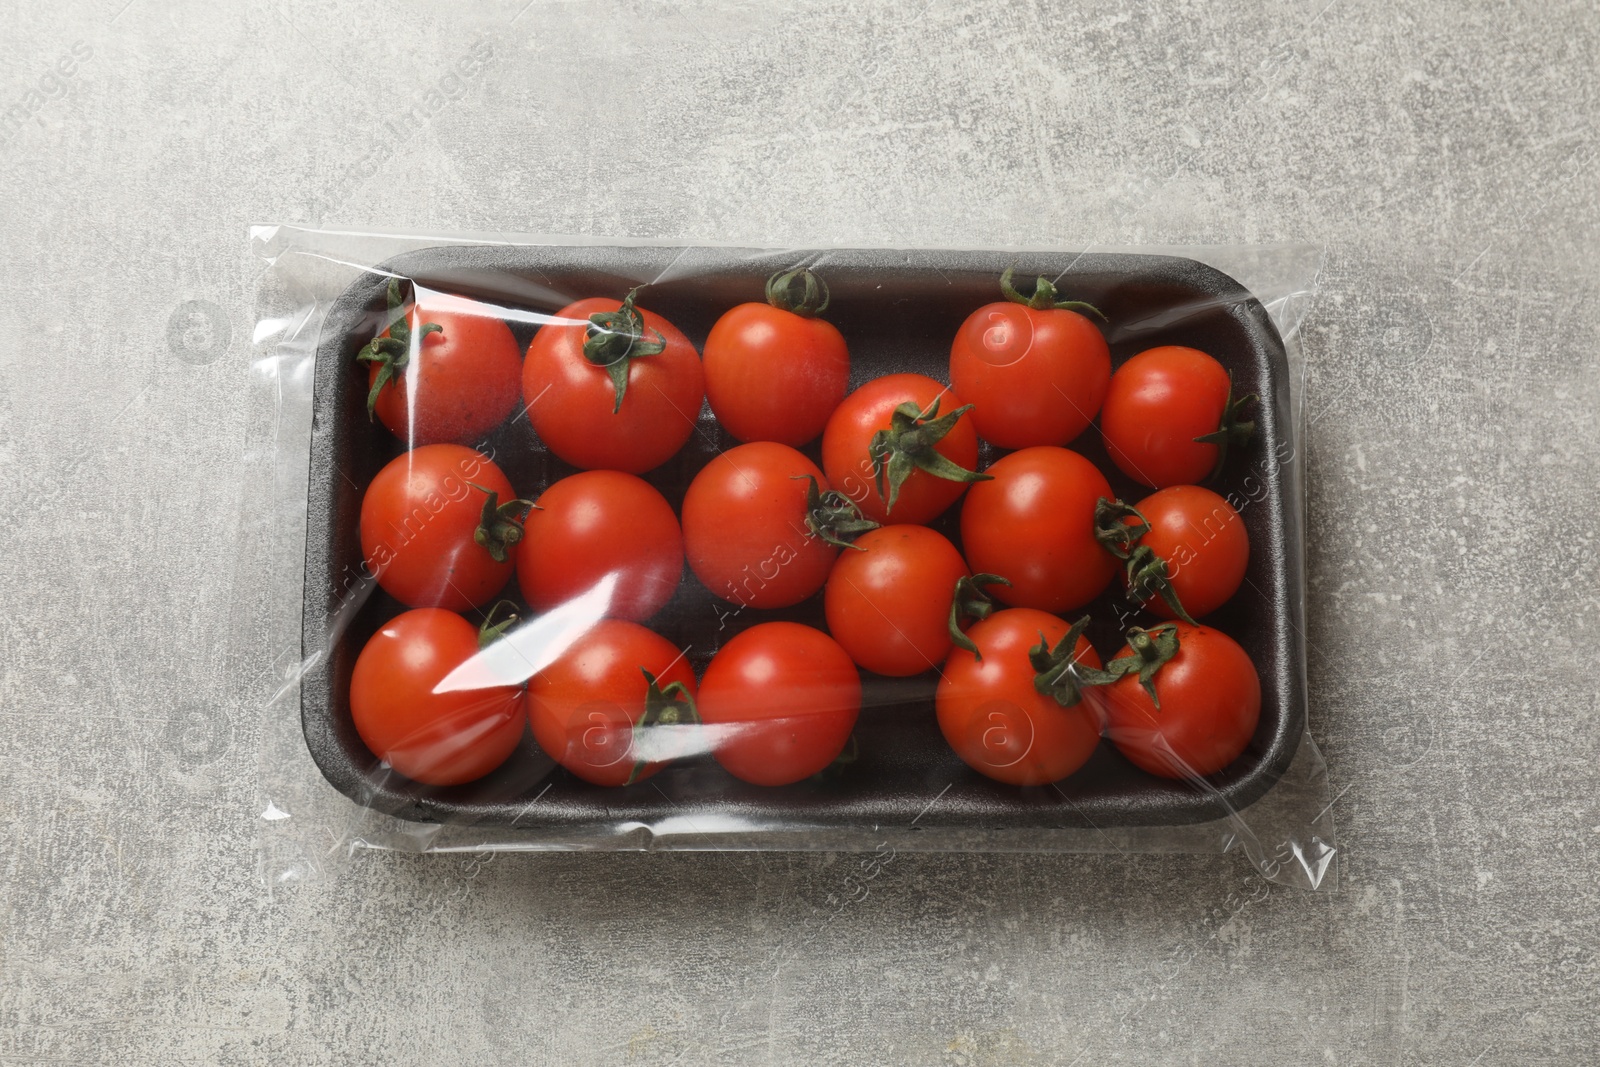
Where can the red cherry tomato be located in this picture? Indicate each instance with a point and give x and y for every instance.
(775, 372)
(419, 520)
(426, 706)
(1210, 701)
(585, 705)
(995, 717)
(1201, 543)
(780, 700)
(1036, 373)
(888, 599)
(1160, 402)
(745, 526)
(573, 404)
(847, 452)
(1034, 524)
(596, 525)
(451, 371)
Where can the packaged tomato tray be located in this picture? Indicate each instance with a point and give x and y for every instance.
(615, 545)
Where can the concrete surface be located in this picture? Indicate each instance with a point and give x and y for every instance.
(1444, 153)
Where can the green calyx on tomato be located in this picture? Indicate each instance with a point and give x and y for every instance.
(832, 516)
(1045, 296)
(1147, 573)
(1233, 432)
(500, 526)
(669, 705)
(908, 444)
(393, 352)
(1061, 677)
(809, 301)
(971, 602)
(841, 763)
(616, 339)
(492, 631)
(1150, 651)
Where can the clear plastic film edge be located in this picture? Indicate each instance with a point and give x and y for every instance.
(311, 601)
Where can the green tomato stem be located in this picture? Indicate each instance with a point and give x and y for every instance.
(616, 339)
(809, 301)
(909, 445)
(971, 602)
(1233, 432)
(1045, 296)
(391, 354)
(1146, 574)
(500, 525)
(1060, 676)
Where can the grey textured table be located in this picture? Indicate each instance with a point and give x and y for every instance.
(1444, 154)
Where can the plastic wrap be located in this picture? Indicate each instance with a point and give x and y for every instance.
(398, 377)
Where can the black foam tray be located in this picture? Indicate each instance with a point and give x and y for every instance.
(899, 311)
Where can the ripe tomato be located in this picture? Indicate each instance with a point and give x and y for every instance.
(774, 371)
(761, 526)
(596, 711)
(596, 525)
(446, 369)
(436, 527)
(1035, 370)
(1207, 699)
(426, 706)
(781, 700)
(1034, 524)
(888, 605)
(1170, 417)
(888, 448)
(1185, 548)
(1016, 713)
(612, 386)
